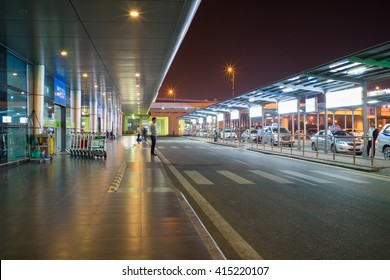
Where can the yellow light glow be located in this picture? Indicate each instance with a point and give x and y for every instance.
(64, 53)
(134, 13)
(137, 75)
(85, 75)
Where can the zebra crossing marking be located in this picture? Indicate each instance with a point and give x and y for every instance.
(341, 177)
(238, 179)
(307, 177)
(271, 177)
(198, 178)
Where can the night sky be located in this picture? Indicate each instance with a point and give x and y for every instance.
(267, 41)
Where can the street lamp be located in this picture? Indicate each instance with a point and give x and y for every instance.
(171, 93)
(230, 71)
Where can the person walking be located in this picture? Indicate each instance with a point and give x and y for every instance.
(138, 134)
(153, 136)
(372, 135)
(144, 130)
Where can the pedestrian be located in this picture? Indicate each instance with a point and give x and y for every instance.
(138, 134)
(144, 131)
(372, 135)
(153, 136)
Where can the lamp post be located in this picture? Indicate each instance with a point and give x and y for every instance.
(171, 93)
(230, 71)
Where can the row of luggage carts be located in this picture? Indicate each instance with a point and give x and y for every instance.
(87, 145)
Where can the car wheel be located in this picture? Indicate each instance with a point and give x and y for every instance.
(313, 147)
(359, 154)
(386, 153)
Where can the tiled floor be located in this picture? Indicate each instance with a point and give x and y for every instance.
(63, 210)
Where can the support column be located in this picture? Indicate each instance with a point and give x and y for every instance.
(365, 124)
(93, 114)
(36, 100)
(299, 123)
(75, 109)
(104, 113)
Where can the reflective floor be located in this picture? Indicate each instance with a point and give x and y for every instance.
(64, 209)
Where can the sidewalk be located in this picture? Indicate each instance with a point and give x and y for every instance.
(69, 210)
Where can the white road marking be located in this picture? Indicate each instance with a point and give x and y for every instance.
(306, 177)
(371, 176)
(238, 179)
(244, 250)
(242, 162)
(198, 178)
(341, 177)
(271, 177)
(299, 180)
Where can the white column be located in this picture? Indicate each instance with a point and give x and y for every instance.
(36, 100)
(75, 109)
(93, 113)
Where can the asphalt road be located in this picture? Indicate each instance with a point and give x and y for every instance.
(281, 208)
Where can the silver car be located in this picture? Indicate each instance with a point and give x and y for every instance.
(339, 141)
(271, 136)
(384, 141)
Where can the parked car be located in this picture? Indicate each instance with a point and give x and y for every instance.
(355, 132)
(254, 136)
(227, 134)
(271, 136)
(339, 141)
(384, 141)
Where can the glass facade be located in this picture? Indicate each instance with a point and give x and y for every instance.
(13, 108)
(14, 103)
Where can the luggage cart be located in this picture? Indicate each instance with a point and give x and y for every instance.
(98, 146)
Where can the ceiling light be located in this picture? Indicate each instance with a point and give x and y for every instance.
(137, 75)
(85, 75)
(14, 74)
(134, 13)
(64, 53)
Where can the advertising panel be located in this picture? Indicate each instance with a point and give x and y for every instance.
(59, 92)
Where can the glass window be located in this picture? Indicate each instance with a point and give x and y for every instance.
(16, 72)
(17, 107)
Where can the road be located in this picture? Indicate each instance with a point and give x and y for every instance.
(271, 207)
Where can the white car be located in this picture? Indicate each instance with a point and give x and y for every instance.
(228, 134)
(384, 141)
(339, 141)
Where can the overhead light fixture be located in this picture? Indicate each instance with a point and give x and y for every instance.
(357, 71)
(137, 75)
(85, 75)
(134, 13)
(14, 74)
(64, 53)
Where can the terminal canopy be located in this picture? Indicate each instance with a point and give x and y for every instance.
(355, 70)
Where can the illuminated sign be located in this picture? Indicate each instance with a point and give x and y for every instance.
(235, 114)
(344, 98)
(7, 119)
(286, 107)
(311, 105)
(255, 111)
(23, 120)
(59, 92)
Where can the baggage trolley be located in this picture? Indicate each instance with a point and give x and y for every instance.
(98, 146)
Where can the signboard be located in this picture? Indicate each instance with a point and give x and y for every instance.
(344, 98)
(255, 111)
(235, 114)
(311, 105)
(59, 92)
(286, 107)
